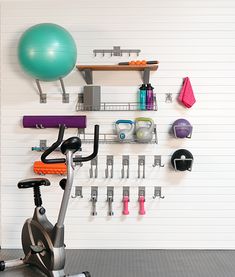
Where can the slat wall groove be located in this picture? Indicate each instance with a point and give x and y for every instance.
(189, 38)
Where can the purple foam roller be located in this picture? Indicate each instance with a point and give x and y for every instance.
(54, 121)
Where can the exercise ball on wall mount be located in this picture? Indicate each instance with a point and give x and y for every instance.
(182, 128)
(182, 160)
(47, 52)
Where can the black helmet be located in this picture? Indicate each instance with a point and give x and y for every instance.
(182, 160)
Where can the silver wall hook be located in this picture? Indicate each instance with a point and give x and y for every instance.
(109, 167)
(65, 96)
(158, 193)
(94, 199)
(78, 192)
(126, 191)
(158, 161)
(43, 96)
(125, 166)
(94, 168)
(110, 198)
(168, 98)
(141, 163)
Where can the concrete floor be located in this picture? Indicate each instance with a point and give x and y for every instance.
(138, 263)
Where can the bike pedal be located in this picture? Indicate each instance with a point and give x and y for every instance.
(35, 249)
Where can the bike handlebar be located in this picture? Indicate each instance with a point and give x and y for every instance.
(59, 141)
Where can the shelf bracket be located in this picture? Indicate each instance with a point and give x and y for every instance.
(146, 75)
(87, 75)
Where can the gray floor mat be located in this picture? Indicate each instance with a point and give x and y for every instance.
(139, 263)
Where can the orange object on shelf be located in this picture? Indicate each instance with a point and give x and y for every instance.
(42, 169)
(138, 62)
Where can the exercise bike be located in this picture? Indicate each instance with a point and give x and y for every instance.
(43, 243)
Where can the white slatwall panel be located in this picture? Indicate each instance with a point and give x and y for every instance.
(189, 38)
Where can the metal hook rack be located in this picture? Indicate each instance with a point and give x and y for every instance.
(141, 163)
(158, 161)
(125, 164)
(158, 193)
(43, 96)
(109, 164)
(116, 51)
(78, 192)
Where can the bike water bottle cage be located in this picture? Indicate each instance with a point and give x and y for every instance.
(72, 144)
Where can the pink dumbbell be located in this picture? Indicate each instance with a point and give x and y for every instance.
(141, 203)
(125, 205)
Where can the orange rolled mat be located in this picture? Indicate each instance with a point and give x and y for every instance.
(41, 168)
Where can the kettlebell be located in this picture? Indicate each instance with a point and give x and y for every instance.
(144, 129)
(182, 160)
(125, 134)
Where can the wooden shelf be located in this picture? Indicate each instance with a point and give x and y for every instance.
(88, 69)
(117, 67)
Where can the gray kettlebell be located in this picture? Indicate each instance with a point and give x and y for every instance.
(144, 129)
(125, 134)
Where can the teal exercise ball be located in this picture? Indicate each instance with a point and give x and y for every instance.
(47, 52)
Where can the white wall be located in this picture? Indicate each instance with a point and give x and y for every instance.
(189, 38)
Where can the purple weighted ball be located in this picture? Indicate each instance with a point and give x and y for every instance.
(182, 128)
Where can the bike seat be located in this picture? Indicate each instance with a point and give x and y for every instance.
(33, 182)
